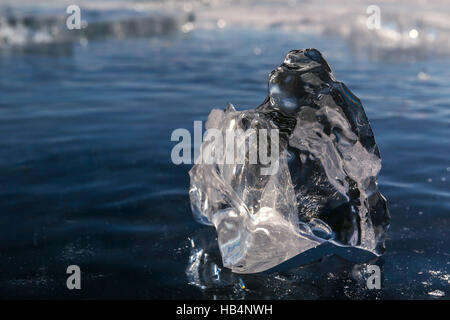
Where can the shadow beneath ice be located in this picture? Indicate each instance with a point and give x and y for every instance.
(325, 272)
(350, 254)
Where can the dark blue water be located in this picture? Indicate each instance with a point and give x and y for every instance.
(86, 176)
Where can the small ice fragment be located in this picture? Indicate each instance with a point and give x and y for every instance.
(437, 293)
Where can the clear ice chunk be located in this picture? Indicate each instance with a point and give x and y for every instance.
(325, 188)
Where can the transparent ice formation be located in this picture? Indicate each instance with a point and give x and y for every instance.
(325, 188)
